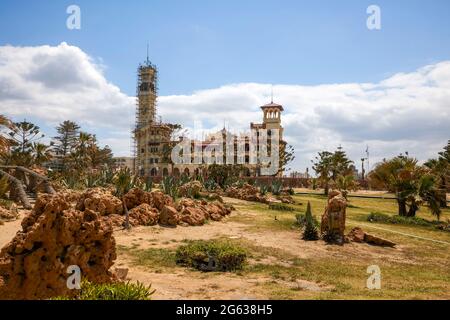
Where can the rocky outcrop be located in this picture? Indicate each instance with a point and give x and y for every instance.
(136, 197)
(250, 193)
(333, 219)
(160, 200)
(101, 201)
(9, 214)
(169, 216)
(194, 216)
(191, 189)
(54, 236)
(358, 235)
(144, 215)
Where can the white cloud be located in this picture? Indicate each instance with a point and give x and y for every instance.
(405, 112)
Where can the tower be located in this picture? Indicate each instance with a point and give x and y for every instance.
(146, 93)
(272, 117)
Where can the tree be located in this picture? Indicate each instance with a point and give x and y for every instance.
(66, 139)
(323, 169)
(345, 184)
(310, 232)
(4, 142)
(40, 153)
(286, 157)
(411, 183)
(224, 174)
(21, 139)
(340, 164)
(440, 168)
(329, 166)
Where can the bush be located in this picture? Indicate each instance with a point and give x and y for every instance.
(310, 232)
(211, 256)
(301, 220)
(280, 207)
(384, 218)
(112, 291)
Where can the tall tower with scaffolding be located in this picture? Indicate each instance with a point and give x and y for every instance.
(146, 94)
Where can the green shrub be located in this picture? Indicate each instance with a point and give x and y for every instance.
(301, 220)
(112, 291)
(384, 218)
(280, 207)
(211, 255)
(310, 232)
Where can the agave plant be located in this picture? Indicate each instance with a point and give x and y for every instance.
(170, 186)
(106, 176)
(210, 185)
(263, 189)
(92, 181)
(124, 181)
(277, 186)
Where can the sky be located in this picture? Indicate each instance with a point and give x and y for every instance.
(339, 82)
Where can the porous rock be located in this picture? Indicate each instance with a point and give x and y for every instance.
(53, 237)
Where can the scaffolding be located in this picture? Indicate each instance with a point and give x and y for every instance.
(146, 97)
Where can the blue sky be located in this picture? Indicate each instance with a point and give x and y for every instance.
(340, 83)
(205, 44)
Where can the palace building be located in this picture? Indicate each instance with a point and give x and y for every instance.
(153, 139)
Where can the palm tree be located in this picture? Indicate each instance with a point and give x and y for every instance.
(41, 153)
(412, 184)
(346, 183)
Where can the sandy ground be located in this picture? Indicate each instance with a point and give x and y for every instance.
(9, 229)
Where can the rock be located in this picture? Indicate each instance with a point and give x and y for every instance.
(286, 199)
(121, 273)
(136, 197)
(193, 216)
(101, 201)
(333, 219)
(169, 216)
(143, 215)
(217, 211)
(371, 239)
(191, 189)
(8, 215)
(54, 236)
(358, 235)
(160, 200)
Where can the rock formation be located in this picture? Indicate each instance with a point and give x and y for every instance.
(53, 237)
(190, 190)
(358, 235)
(101, 201)
(333, 219)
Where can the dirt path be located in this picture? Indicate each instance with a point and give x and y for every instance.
(9, 229)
